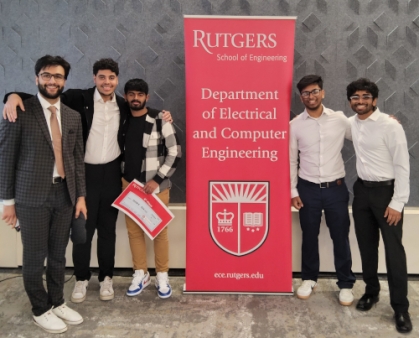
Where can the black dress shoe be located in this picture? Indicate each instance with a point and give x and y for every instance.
(366, 302)
(403, 323)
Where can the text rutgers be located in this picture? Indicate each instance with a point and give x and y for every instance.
(236, 40)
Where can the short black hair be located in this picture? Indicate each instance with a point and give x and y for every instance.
(108, 64)
(362, 84)
(138, 85)
(49, 60)
(309, 80)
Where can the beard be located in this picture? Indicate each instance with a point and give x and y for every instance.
(367, 110)
(43, 90)
(313, 108)
(137, 108)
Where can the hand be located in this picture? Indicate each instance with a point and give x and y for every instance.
(9, 110)
(150, 186)
(296, 202)
(167, 117)
(394, 118)
(9, 215)
(81, 207)
(393, 216)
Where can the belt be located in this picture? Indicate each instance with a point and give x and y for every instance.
(374, 184)
(58, 179)
(322, 185)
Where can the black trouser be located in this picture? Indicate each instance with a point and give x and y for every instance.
(334, 202)
(369, 206)
(45, 234)
(103, 186)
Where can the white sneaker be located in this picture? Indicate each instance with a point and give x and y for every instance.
(50, 322)
(139, 282)
(304, 291)
(164, 290)
(79, 292)
(346, 297)
(106, 289)
(68, 315)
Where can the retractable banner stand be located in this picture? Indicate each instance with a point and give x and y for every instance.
(238, 91)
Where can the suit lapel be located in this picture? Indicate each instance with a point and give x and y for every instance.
(38, 112)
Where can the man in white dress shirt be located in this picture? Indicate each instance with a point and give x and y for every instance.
(380, 193)
(317, 184)
(102, 113)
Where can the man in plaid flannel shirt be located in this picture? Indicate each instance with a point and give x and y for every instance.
(151, 154)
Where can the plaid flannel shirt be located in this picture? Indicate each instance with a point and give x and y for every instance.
(162, 150)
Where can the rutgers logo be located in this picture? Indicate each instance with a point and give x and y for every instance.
(239, 215)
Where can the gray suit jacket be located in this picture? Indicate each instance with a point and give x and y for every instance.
(27, 155)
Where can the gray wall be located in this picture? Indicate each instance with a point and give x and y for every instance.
(340, 40)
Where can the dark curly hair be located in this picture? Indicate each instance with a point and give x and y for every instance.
(362, 84)
(138, 85)
(106, 64)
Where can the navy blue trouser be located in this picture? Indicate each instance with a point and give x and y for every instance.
(334, 202)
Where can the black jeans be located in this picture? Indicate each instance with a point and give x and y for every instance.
(369, 206)
(103, 186)
(334, 202)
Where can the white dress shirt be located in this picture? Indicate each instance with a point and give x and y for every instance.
(102, 143)
(318, 142)
(47, 113)
(381, 153)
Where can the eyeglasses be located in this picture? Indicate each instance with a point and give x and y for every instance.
(315, 92)
(357, 97)
(48, 76)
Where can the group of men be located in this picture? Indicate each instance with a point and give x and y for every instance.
(380, 192)
(61, 155)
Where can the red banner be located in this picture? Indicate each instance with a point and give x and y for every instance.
(238, 91)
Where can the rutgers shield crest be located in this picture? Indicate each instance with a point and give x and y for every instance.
(239, 215)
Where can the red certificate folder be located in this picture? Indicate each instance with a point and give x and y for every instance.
(145, 209)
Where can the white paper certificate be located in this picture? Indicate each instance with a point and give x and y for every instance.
(142, 210)
(147, 210)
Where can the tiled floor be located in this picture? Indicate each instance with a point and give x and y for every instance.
(184, 316)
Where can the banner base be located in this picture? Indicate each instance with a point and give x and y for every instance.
(236, 293)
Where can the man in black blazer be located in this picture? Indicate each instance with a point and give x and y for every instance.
(102, 114)
(42, 179)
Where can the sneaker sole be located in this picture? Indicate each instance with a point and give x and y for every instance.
(345, 303)
(138, 292)
(78, 300)
(110, 297)
(70, 322)
(307, 297)
(165, 296)
(49, 330)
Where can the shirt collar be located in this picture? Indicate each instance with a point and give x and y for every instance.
(374, 116)
(98, 98)
(306, 115)
(45, 104)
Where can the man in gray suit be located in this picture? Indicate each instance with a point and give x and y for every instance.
(42, 179)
